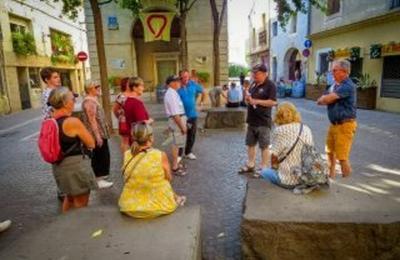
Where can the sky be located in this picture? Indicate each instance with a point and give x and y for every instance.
(238, 30)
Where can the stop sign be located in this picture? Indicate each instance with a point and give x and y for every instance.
(82, 56)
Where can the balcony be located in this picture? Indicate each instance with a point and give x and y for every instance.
(262, 38)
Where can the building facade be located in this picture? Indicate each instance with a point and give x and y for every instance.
(287, 44)
(258, 43)
(367, 33)
(129, 53)
(35, 34)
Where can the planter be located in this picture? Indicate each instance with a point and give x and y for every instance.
(314, 91)
(366, 98)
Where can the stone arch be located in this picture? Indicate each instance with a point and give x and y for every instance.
(292, 63)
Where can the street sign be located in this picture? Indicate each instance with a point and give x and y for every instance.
(306, 53)
(308, 43)
(82, 56)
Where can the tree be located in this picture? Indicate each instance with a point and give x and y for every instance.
(288, 8)
(218, 19)
(235, 70)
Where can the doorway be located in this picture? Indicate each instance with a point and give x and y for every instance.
(164, 69)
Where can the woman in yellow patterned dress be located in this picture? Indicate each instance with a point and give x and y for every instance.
(147, 192)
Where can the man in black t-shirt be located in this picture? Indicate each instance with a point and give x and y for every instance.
(260, 99)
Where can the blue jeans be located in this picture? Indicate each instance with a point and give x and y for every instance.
(270, 175)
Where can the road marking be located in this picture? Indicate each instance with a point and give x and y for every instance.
(29, 136)
(4, 131)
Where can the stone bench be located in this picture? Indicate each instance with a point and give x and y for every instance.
(175, 236)
(222, 117)
(337, 223)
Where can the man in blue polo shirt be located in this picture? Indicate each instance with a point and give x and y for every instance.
(188, 93)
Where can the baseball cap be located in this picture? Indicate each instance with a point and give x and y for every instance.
(259, 67)
(171, 79)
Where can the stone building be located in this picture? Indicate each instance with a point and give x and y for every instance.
(287, 45)
(367, 33)
(35, 34)
(128, 53)
(258, 45)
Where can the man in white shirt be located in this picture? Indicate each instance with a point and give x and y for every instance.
(51, 78)
(176, 121)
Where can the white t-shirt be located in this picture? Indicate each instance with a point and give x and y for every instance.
(283, 138)
(46, 110)
(173, 103)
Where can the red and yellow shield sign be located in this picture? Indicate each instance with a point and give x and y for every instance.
(157, 26)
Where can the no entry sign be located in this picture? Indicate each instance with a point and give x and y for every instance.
(82, 56)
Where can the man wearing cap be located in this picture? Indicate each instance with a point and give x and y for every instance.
(188, 93)
(94, 119)
(176, 121)
(260, 99)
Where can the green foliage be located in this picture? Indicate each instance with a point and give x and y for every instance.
(23, 43)
(70, 7)
(235, 70)
(133, 5)
(203, 76)
(288, 8)
(364, 82)
(63, 51)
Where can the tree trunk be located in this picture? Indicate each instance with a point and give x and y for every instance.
(183, 43)
(101, 54)
(218, 20)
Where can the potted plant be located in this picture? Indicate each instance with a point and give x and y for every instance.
(204, 77)
(23, 43)
(314, 91)
(366, 92)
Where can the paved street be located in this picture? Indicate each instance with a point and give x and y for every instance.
(28, 194)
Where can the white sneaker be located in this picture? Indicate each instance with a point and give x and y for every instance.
(103, 184)
(191, 156)
(5, 225)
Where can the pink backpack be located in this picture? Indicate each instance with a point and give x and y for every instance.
(49, 141)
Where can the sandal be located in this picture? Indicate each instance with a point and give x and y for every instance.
(179, 171)
(246, 169)
(180, 200)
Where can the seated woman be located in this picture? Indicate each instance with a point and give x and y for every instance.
(147, 192)
(285, 151)
(73, 174)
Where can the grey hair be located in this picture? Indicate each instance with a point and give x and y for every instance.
(345, 64)
(89, 84)
(58, 97)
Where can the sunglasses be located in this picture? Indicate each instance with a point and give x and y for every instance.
(97, 86)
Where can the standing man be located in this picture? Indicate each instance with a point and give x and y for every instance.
(188, 93)
(261, 99)
(176, 121)
(94, 119)
(51, 77)
(341, 101)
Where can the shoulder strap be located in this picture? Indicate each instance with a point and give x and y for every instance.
(294, 145)
(134, 166)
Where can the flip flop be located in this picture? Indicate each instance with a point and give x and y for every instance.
(179, 171)
(181, 201)
(246, 169)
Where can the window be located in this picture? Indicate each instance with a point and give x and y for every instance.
(333, 7)
(323, 62)
(34, 79)
(274, 28)
(356, 69)
(17, 28)
(264, 21)
(254, 38)
(293, 24)
(395, 4)
(391, 77)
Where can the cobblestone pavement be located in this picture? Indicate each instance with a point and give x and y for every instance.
(28, 195)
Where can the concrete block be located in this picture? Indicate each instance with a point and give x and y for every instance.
(222, 117)
(336, 223)
(176, 236)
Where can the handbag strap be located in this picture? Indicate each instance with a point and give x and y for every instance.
(134, 166)
(293, 146)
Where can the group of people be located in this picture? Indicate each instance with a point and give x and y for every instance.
(147, 173)
(288, 138)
